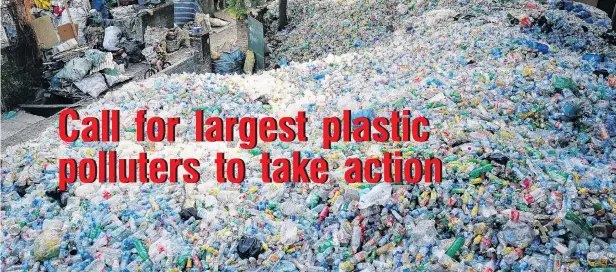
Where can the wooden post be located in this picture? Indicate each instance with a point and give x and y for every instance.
(282, 14)
(614, 18)
(24, 15)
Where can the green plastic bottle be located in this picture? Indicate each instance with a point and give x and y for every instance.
(254, 152)
(325, 246)
(181, 261)
(457, 190)
(315, 200)
(450, 158)
(95, 232)
(579, 222)
(558, 176)
(480, 171)
(141, 250)
(453, 249)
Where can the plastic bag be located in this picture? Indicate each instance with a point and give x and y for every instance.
(100, 60)
(229, 63)
(112, 38)
(133, 50)
(155, 34)
(377, 196)
(289, 233)
(47, 245)
(424, 233)
(173, 45)
(75, 69)
(217, 22)
(95, 84)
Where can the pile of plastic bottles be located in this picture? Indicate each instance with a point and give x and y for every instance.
(525, 127)
(318, 28)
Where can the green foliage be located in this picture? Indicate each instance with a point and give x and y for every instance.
(237, 8)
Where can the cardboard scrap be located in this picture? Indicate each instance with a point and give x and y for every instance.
(66, 33)
(46, 36)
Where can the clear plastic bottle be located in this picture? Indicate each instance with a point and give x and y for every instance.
(356, 238)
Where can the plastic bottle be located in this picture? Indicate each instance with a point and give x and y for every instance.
(356, 238)
(141, 250)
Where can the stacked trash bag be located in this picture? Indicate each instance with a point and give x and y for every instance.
(229, 63)
(523, 119)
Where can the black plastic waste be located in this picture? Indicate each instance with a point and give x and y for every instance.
(21, 190)
(546, 27)
(263, 99)
(249, 247)
(57, 195)
(409, 30)
(498, 158)
(609, 37)
(187, 213)
(459, 142)
(603, 230)
(513, 20)
(72, 248)
(601, 72)
(465, 17)
(133, 50)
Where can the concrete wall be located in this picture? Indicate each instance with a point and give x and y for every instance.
(199, 62)
(201, 44)
(161, 17)
(187, 65)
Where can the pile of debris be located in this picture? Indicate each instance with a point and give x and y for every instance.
(85, 48)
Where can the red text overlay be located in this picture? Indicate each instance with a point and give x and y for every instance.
(249, 131)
